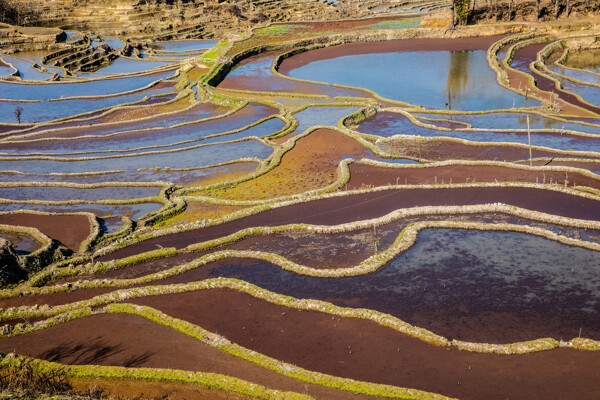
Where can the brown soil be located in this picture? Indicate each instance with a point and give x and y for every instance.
(371, 205)
(196, 73)
(7, 128)
(132, 389)
(591, 166)
(364, 350)
(527, 55)
(142, 343)
(54, 299)
(519, 81)
(444, 149)
(310, 164)
(206, 272)
(70, 230)
(366, 175)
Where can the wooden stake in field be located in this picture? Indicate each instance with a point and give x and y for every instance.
(529, 138)
(375, 239)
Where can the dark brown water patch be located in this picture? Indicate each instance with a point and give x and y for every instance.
(528, 54)
(371, 205)
(495, 287)
(364, 175)
(142, 343)
(54, 299)
(70, 230)
(444, 149)
(363, 350)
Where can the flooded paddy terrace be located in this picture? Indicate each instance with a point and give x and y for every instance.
(293, 192)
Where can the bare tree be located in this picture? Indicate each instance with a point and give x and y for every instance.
(537, 10)
(452, 25)
(510, 10)
(18, 112)
(567, 10)
(555, 9)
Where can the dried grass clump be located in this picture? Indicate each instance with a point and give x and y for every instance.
(51, 379)
(25, 378)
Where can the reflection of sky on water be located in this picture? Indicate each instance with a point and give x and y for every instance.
(62, 193)
(15, 91)
(131, 140)
(26, 70)
(126, 65)
(436, 79)
(514, 121)
(152, 175)
(575, 74)
(389, 124)
(133, 211)
(327, 116)
(203, 156)
(5, 71)
(255, 74)
(72, 36)
(21, 243)
(113, 42)
(95, 146)
(590, 94)
(50, 110)
(34, 57)
(200, 111)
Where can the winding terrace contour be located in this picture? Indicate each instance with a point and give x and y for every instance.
(297, 238)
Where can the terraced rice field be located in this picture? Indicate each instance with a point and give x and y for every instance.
(309, 212)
